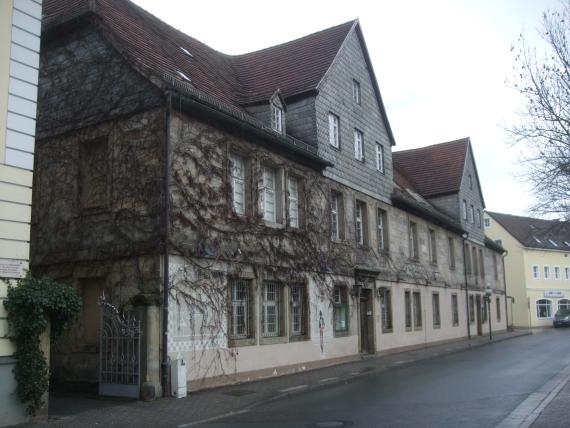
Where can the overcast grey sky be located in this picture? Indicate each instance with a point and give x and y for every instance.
(441, 64)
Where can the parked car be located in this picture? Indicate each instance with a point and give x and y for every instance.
(561, 318)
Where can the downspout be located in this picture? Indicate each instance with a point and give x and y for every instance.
(505, 254)
(464, 236)
(165, 267)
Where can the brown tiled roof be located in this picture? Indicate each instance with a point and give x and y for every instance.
(432, 170)
(294, 67)
(535, 232)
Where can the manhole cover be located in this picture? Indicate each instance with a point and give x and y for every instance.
(330, 424)
(239, 392)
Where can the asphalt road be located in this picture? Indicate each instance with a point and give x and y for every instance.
(475, 388)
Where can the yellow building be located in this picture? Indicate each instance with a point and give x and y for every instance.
(20, 27)
(537, 266)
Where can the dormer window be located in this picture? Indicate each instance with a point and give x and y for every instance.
(276, 118)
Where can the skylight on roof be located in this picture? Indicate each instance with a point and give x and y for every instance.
(183, 76)
(537, 240)
(186, 52)
(567, 243)
(553, 243)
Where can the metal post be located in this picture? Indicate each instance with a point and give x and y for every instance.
(489, 315)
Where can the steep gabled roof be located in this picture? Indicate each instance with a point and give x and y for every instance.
(535, 232)
(433, 170)
(294, 67)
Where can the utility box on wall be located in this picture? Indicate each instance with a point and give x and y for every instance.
(178, 378)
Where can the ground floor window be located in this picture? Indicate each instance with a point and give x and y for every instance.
(498, 303)
(564, 304)
(454, 310)
(240, 296)
(484, 311)
(417, 310)
(435, 309)
(408, 309)
(471, 309)
(543, 309)
(298, 310)
(386, 309)
(340, 309)
(271, 309)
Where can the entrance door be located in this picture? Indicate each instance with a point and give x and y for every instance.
(366, 322)
(479, 325)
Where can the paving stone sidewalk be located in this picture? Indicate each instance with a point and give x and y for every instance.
(78, 411)
(557, 413)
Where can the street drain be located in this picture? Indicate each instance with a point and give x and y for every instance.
(239, 392)
(330, 424)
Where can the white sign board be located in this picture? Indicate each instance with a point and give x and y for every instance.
(557, 294)
(13, 268)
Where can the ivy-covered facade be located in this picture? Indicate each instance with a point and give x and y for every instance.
(253, 222)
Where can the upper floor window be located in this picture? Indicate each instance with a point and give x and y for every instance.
(475, 264)
(467, 259)
(451, 245)
(464, 210)
(293, 200)
(487, 222)
(276, 118)
(479, 219)
(413, 239)
(333, 130)
(546, 272)
(481, 264)
(495, 267)
(238, 183)
(557, 272)
(470, 182)
(381, 216)
(267, 198)
(358, 145)
(567, 273)
(499, 242)
(432, 246)
(336, 216)
(535, 272)
(380, 157)
(472, 214)
(360, 220)
(356, 91)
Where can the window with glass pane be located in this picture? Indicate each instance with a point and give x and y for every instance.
(381, 216)
(556, 272)
(408, 309)
(471, 309)
(498, 308)
(481, 263)
(546, 272)
(472, 214)
(356, 91)
(535, 272)
(267, 194)
(238, 183)
(435, 309)
(484, 312)
(564, 304)
(271, 301)
(417, 310)
(474, 263)
(297, 310)
(464, 210)
(567, 273)
(543, 309)
(495, 267)
(240, 309)
(336, 209)
(358, 145)
(413, 239)
(379, 157)
(293, 199)
(340, 310)
(451, 249)
(333, 130)
(432, 246)
(360, 220)
(454, 310)
(277, 118)
(386, 309)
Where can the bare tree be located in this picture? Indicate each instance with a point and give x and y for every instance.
(544, 126)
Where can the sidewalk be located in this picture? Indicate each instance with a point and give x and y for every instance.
(198, 407)
(557, 412)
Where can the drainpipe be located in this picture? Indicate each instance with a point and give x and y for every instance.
(165, 267)
(465, 236)
(505, 254)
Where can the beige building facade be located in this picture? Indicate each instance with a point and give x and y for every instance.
(20, 26)
(537, 266)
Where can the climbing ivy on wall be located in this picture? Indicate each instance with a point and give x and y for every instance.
(31, 304)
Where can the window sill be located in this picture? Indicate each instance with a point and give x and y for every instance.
(273, 225)
(272, 340)
(236, 343)
(455, 324)
(388, 330)
(437, 327)
(300, 338)
(408, 329)
(342, 333)
(418, 328)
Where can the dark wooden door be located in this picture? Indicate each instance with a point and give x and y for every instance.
(366, 322)
(479, 324)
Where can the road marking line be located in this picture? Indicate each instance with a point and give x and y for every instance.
(213, 418)
(293, 388)
(328, 379)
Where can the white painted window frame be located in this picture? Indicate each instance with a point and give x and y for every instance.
(334, 130)
(238, 183)
(358, 145)
(547, 303)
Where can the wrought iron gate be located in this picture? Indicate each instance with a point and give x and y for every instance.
(119, 352)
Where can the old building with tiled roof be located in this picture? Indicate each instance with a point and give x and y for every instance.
(537, 267)
(244, 208)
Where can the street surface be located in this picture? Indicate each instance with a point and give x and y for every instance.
(476, 388)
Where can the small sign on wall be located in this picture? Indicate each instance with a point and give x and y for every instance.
(13, 268)
(557, 294)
